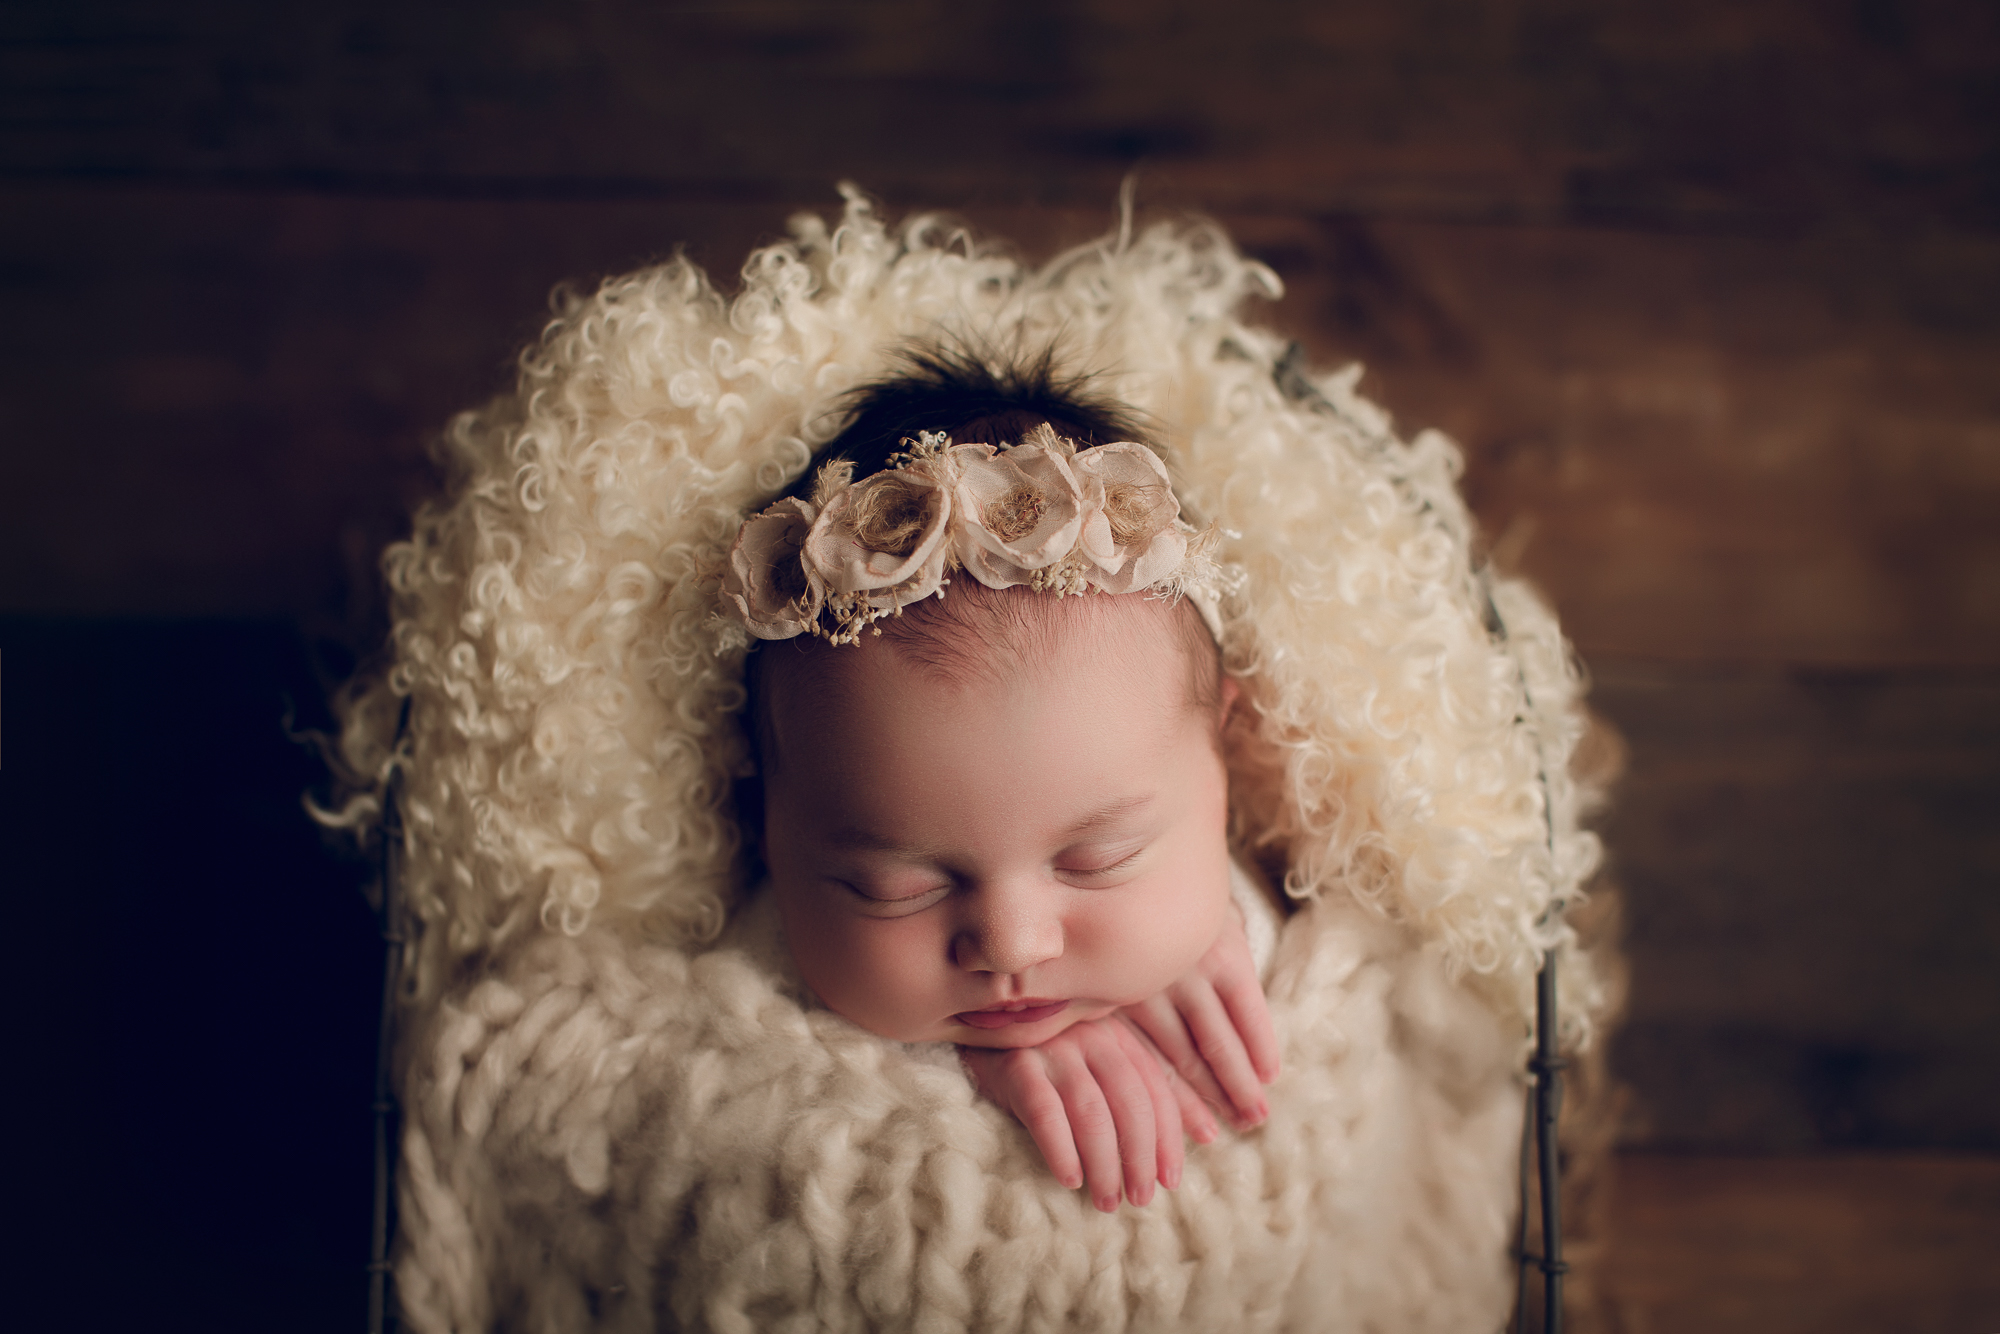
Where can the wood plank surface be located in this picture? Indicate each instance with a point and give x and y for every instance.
(1708, 114)
(1808, 856)
(1706, 448)
(1676, 436)
(1709, 294)
(1812, 1245)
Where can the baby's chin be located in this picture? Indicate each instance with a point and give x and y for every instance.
(1015, 1036)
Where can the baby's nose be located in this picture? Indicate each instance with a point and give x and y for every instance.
(1008, 933)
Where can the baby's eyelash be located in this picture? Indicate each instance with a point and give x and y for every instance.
(899, 900)
(1114, 868)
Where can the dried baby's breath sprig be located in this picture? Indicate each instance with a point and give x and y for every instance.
(928, 446)
(1068, 577)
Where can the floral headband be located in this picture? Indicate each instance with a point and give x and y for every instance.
(1041, 513)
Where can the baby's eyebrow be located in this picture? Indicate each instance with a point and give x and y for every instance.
(1108, 814)
(864, 840)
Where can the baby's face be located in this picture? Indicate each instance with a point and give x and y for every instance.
(989, 863)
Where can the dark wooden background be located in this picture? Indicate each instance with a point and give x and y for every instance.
(1709, 292)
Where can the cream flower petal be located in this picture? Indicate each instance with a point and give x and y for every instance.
(961, 457)
(882, 534)
(770, 588)
(1020, 511)
(1161, 558)
(1130, 538)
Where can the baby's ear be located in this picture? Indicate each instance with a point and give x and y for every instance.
(1228, 696)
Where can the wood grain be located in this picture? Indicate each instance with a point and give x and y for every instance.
(1709, 294)
(1816, 1245)
(1808, 857)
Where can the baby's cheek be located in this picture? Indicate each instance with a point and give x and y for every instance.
(822, 948)
(1201, 920)
(880, 974)
(1160, 942)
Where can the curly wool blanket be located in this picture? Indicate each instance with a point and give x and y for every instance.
(609, 1136)
(621, 1113)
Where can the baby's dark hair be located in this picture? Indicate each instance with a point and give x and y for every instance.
(980, 397)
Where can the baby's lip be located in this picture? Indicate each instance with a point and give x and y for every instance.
(1011, 1012)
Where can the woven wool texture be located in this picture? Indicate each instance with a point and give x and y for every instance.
(620, 1110)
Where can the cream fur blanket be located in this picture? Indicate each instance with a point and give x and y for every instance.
(619, 1111)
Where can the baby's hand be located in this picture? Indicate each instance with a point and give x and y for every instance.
(1214, 1028)
(1099, 1103)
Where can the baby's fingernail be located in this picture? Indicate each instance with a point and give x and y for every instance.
(1107, 1204)
(1071, 1182)
(1173, 1178)
(1143, 1196)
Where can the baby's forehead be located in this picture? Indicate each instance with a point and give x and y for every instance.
(978, 638)
(1016, 633)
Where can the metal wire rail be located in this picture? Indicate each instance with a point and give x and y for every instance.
(1544, 1109)
(1538, 1141)
(390, 917)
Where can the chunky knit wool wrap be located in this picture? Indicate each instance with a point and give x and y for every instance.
(621, 1111)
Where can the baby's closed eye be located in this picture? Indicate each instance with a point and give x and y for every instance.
(891, 898)
(1101, 867)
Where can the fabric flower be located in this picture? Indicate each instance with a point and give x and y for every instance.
(773, 591)
(1130, 537)
(883, 538)
(1020, 511)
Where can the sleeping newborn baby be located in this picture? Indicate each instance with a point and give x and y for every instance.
(998, 817)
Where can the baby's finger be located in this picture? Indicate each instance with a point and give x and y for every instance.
(1250, 1014)
(1091, 1123)
(1222, 1051)
(1034, 1101)
(1196, 1118)
(1161, 1022)
(1159, 1080)
(1115, 1064)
